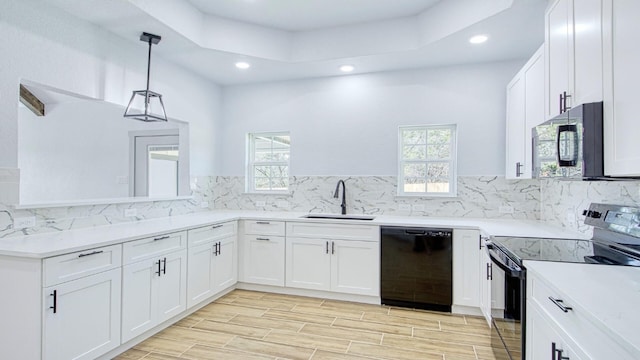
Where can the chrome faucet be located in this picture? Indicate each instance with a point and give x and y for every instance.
(343, 205)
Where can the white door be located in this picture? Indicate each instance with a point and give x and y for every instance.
(355, 267)
(200, 273)
(264, 260)
(308, 263)
(139, 300)
(172, 285)
(515, 153)
(587, 49)
(156, 166)
(534, 105)
(621, 125)
(225, 264)
(86, 322)
(466, 286)
(484, 274)
(558, 44)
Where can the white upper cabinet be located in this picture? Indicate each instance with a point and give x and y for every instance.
(525, 109)
(573, 53)
(621, 124)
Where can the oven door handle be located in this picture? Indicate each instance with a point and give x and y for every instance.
(510, 271)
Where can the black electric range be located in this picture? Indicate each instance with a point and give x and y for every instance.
(615, 241)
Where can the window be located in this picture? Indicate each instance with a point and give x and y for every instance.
(427, 164)
(268, 162)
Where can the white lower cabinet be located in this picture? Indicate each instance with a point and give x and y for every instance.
(264, 261)
(547, 340)
(82, 317)
(466, 284)
(212, 267)
(153, 289)
(318, 259)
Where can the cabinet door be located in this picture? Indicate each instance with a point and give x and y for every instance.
(264, 260)
(225, 264)
(308, 263)
(172, 286)
(139, 303)
(558, 35)
(484, 272)
(200, 273)
(355, 267)
(546, 341)
(515, 153)
(86, 322)
(534, 105)
(621, 125)
(466, 285)
(587, 49)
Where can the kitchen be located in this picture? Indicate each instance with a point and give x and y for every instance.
(341, 127)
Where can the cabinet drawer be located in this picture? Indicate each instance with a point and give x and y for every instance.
(333, 231)
(211, 233)
(149, 247)
(264, 227)
(596, 342)
(63, 268)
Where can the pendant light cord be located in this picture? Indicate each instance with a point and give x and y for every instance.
(146, 100)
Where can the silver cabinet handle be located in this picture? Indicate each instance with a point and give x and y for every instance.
(559, 303)
(263, 222)
(216, 226)
(91, 253)
(161, 238)
(518, 167)
(333, 247)
(263, 239)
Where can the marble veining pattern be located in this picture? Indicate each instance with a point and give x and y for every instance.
(548, 249)
(74, 217)
(479, 197)
(562, 202)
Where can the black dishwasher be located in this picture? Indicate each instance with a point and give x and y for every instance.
(415, 267)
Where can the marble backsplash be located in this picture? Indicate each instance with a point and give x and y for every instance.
(72, 217)
(562, 202)
(478, 197)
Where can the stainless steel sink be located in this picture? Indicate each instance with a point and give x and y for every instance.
(339, 217)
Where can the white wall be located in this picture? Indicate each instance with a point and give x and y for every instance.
(44, 44)
(76, 151)
(348, 125)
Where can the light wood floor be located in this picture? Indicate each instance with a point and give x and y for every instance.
(255, 325)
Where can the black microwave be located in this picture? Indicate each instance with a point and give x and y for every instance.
(570, 146)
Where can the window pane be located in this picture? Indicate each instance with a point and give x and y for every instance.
(414, 184)
(415, 170)
(439, 152)
(262, 171)
(262, 183)
(438, 177)
(414, 152)
(280, 183)
(439, 136)
(414, 136)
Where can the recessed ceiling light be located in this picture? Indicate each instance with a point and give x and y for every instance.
(347, 68)
(243, 65)
(478, 39)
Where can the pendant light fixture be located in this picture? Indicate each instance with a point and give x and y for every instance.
(148, 100)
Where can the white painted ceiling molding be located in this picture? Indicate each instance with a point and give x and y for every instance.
(290, 39)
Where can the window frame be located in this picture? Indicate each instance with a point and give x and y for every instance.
(452, 161)
(250, 184)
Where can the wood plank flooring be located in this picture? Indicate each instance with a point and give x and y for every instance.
(256, 326)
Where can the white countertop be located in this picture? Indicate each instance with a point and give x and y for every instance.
(608, 295)
(57, 243)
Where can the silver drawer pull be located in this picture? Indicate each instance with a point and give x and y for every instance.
(161, 238)
(263, 239)
(216, 226)
(91, 253)
(559, 303)
(263, 222)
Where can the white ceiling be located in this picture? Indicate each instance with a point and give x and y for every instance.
(299, 15)
(294, 39)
